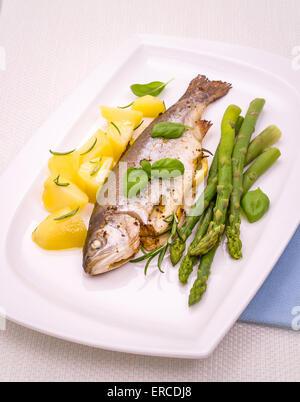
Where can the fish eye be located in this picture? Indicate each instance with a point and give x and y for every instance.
(96, 244)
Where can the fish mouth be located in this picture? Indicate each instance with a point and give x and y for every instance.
(113, 244)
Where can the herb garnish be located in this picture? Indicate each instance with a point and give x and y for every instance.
(135, 180)
(139, 125)
(161, 251)
(209, 152)
(56, 181)
(116, 127)
(169, 130)
(69, 215)
(167, 168)
(146, 166)
(126, 107)
(153, 88)
(91, 148)
(162, 169)
(97, 168)
(62, 153)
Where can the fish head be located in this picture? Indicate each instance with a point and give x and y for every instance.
(114, 238)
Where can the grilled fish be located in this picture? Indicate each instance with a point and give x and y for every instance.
(117, 229)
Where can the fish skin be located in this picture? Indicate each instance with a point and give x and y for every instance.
(116, 231)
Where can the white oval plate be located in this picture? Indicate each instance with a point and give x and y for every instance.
(123, 310)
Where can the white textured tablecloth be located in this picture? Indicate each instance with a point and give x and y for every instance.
(51, 46)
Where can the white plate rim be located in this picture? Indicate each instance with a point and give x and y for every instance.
(273, 64)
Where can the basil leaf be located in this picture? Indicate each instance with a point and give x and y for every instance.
(135, 180)
(169, 130)
(167, 168)
(153, 88)
(146, 166)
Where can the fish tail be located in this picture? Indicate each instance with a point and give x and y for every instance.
(213, 89)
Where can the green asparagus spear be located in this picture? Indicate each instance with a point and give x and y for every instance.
(186, 268)
(239, 124)
(224, 187)
(238, 164)
(200, 285)
(178, 247)
(188, 262)
(266, 139)
(259, 167)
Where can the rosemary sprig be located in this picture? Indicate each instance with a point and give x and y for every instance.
(116, 127)
(164, 232)
(56, 181)
(97, 168)
(139, 125)
(62, 153)
(91, 148)
(161, 257)
(126, 107)
(162, 250)
(209, 152)
(69, 215)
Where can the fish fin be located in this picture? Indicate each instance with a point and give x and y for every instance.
(214, 89)
(204, 127)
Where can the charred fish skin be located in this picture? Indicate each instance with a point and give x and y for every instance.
(116, 231)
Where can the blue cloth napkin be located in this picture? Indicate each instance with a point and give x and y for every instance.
(278, 301)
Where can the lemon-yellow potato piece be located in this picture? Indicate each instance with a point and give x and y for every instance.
(149, 105)
(98, 145)
(119, 135)
(60, 235)
(117, 114)
(56, 197)
(202, 173)
(90, 182)
(65, 166)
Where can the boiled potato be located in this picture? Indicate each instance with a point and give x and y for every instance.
(93, 174)
(149, 106)
(98, 145)
(60, 193)
(64, 165)
(67, 233)
(119, 135)
(116, 115)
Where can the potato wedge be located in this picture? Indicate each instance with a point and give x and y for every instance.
(149, 105)
(60, 193)
(64, 165)
(119, 135)
(93, 174)
(63, 234)
(98, 145)
(116, 115)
